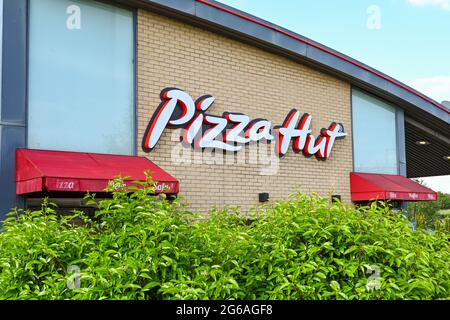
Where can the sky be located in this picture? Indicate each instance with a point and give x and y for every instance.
(407, 39)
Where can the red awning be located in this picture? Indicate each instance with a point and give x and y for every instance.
(368, 186)
(41, 170)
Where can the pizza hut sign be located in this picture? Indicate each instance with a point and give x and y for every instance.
(232, 131)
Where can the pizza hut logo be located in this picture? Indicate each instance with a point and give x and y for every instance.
(413, 196)
(392, 195)
(232, 131)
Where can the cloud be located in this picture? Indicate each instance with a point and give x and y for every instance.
(437, 87)
(442, 4)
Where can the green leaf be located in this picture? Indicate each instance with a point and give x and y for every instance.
(335, 285)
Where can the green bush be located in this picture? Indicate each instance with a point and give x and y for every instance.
(444, 201)
(430, 214)
(143, 247)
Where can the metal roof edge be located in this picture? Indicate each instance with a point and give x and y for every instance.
(242, 23)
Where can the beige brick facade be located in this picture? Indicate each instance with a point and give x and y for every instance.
(243, 79)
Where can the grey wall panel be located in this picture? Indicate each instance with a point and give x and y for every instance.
(187, 6)
(13, 98)
(14, 69)
(230, 21)
(11, 138)
(290, 44)
(418, 102)
(401, 142)
(1, 49)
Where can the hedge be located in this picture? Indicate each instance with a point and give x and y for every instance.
(138, 246)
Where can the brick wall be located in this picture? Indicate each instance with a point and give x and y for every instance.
(244, 79)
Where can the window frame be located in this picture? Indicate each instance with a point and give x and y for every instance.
(133, 11)
(399, 131)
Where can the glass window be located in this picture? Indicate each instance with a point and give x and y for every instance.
(81, 77)
(374, 135)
